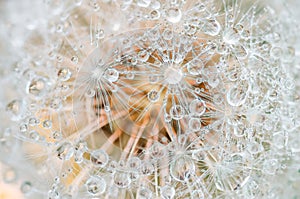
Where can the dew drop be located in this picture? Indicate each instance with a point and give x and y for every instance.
(37, 87)
(177, 112)
(195, 68)
(153, 96)
(147, 168)
(143, 3)
(95, 185)
(47, 124)
(144, 193)
(122, 179)
(237, 95)
(195, 124)
(143, 55)
(167, 192)
(212, 27)
(111, 75)
(99, 158)
(90, 93)
(182, 168)
(173, 15)
(240, 51)
(65, 151)
(9, 175)
(197, 107)
(64, 74)
(26, 187)
(16, 109)
(155, 14)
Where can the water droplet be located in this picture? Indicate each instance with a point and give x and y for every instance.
(167, 192)
(57, 135)
(155, 14)
(95, 185)
(198, 194)
(47, 124)
(237, 95)
(240, 51)
(26, 187)
(195, 124)
(147, 168)
(74, 59)
(197, 107)
(9, 175)
(212, 27)
(143, 55)
(231, 36)
(144, 193)
(37, 87)
(64, 74)
(111, 75)
(16, 109)
(173, 15)
(153, 96)
(195, 68)
(182, 168)
(53, 194)
(177, 112)
(99, 34)
(99, 158)
(122, 179)
(167, 34)
(143, 3)
(90, 93)
(65, 151)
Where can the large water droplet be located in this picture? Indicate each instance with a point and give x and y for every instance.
(95, 185)
(64, 74)
(182, 168)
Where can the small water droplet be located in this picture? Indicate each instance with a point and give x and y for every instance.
(153, 96)
(95, 185)
(99, 158)
(47, 124)
(122, 179)
(143, 3)
(167, 192)
(177, 112)
(26, 187)
(64, 74)
(212, 27)
(195, 124)
(197, 107)
(237, 95)
(111, 75)
(173, 15)
(65, 151)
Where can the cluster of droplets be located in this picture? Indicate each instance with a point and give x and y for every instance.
(193, 100)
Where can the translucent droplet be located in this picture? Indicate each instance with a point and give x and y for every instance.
(212, 27)
(99, 34)
(16, 109)
(99, 158)
(111, 75)
(95, 185)
(182, 168)
(53, 194)
(37, 87)
(197, 107)
(143, 3)
(143, 55)
(90, 93)
(270, 166)
(26, 187)
(167, 34)
(122, 179)
(153, 96)
(56, 103)
(64, 74)
(34, 135)
(155, 14)
(173, 15)
(144, 193)
(167, 192)
(195, 124)
(231, 36)
(195, 68)
(177, 112)
(134, 163)
(74, 59)
(47, 124)
(65, 151)
(57, 135)
(240, 51)
(147, 168)
(9, 175)
(237, 95)
(198, 194)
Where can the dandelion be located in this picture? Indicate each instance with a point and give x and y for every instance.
(158, 99)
